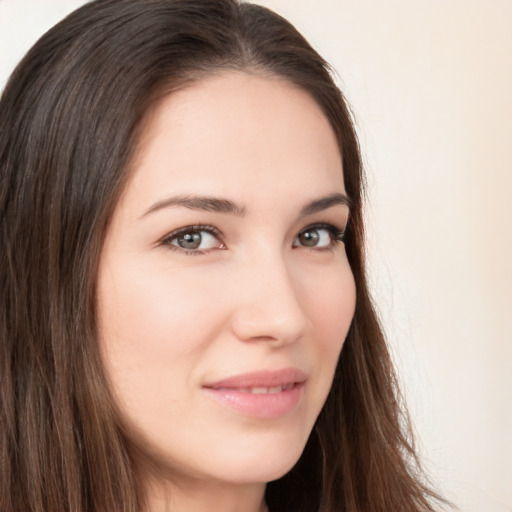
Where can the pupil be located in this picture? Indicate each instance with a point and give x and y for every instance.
(190, 241)
(309, 238)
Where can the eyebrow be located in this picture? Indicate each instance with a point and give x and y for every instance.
(220, 205)
(323, 203)
(201, 203)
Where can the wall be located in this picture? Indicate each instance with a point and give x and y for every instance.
(430, 83)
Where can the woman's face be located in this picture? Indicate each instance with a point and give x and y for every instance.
(224, 289)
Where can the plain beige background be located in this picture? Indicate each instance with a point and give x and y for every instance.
(430, 84)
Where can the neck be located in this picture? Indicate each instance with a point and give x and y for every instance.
(206, 496)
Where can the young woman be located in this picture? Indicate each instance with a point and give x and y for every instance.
(185, 320)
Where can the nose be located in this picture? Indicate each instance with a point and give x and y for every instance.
(269, 307)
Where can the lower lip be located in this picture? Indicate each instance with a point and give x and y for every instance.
(264, 405)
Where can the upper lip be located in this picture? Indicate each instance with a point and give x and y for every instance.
(260, 379)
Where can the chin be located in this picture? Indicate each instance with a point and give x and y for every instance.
(261, 464)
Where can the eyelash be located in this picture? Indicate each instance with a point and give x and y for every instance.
(337, 237)
(197, 228)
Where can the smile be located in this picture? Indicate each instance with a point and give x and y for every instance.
(262, 394)
(265, 391)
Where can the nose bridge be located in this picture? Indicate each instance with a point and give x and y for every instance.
(270, 306)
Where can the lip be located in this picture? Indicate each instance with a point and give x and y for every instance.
(235, 392)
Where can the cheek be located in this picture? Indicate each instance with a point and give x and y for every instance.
(331, 310)
(332, 307)
(150, 307)
(154, 325)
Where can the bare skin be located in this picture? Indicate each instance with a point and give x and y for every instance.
(225, 258)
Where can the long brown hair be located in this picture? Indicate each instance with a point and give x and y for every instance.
(70, 118)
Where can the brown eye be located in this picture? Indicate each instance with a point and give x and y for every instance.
(318, 237)
(188, 241)
(194, 239)
(309, 238)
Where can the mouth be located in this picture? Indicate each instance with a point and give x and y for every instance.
(267, 391)
(261, 394)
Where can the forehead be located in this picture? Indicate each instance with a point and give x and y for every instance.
(239, 130)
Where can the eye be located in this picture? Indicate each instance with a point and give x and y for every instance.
(194, 239)
(319, 236)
